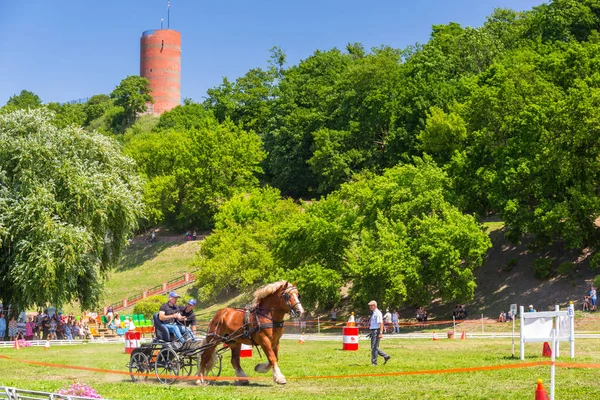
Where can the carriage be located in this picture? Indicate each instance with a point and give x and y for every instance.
(260, 324)
(167, 359)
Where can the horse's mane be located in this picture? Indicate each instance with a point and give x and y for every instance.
(264, 291)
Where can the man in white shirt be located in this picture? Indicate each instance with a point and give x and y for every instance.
(376, 327)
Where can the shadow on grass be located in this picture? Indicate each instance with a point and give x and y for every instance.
(138, 253)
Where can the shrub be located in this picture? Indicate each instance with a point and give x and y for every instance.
(512, 263)
(595, 261)
(149, 305)
(566, 269)
(597, 281)
(542, 268)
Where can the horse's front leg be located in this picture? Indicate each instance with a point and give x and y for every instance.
(272, 357)
(235, 363)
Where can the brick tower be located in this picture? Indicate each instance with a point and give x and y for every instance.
(160, 62)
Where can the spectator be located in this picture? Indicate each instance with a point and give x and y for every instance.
(509, 316)
(502, 316)
(586, 303)
(12, 329)
(52, 330)
(109, 315)
(395, 324)
(593, 298)
(75, 330)
(153, 237)
(68, 333)
(29, 329)
(531, 309)
(45, 327)
(334, 315)
(2, 326)
(387, 320)
(194, 235)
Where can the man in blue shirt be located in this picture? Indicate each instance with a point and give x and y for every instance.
(376, 327)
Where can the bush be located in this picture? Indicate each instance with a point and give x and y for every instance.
(512, 263)
(149, 305)
(566, 269)
(595, 261)
(542, 268)
(597, 281)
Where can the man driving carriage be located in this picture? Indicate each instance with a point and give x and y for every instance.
(169, 314)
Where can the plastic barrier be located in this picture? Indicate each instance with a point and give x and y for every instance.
(246, 351)
(350, 338)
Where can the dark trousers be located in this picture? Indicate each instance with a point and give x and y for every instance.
(375, 346)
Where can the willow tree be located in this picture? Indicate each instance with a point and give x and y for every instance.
(69, 201)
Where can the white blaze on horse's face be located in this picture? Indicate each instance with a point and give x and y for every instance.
(296, 301)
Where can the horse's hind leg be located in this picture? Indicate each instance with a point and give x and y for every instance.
(235, 363)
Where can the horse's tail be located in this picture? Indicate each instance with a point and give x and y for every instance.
(209, 356)
(208, 362)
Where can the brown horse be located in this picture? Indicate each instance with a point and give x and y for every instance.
(260, 324)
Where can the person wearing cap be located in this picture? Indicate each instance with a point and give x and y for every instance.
(171, 317)
(531, 309)
(376, 327)
(189, 316)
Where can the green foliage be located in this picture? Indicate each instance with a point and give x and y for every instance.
(238, 254)
(542, 268)
(393, 237)
(566, 269)
(595, 261)
(597, 281)
(149, 305)
(69, 201)
(132, 94)
(24, 100)
(67, 114)
(190, 172)
(510, 265)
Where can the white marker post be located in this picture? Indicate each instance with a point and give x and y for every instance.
(513, 314)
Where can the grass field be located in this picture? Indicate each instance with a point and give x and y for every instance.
(313, 359)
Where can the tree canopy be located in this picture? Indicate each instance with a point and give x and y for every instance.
(69, 201)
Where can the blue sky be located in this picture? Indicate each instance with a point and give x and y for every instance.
(64, 50)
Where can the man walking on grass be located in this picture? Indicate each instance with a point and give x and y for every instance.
(376, 327)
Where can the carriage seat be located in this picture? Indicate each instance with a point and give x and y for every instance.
(160, 330)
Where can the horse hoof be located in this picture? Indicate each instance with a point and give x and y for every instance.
(201, 382)
(262, 368)
(281, 381)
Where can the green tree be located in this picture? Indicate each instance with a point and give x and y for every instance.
(190, 172)
(25, 99)
(132, 94)
(238, 254)
(69, 201)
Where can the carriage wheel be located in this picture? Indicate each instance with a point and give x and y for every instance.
(216, 368)
(187, 365)
(139, 366)
(167, 366)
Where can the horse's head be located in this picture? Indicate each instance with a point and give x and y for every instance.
(291, 298)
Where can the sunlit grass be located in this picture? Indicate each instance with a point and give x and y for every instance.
(326, 358)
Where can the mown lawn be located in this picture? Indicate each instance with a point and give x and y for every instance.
(313, 359)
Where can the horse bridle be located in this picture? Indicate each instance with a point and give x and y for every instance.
(287, 297)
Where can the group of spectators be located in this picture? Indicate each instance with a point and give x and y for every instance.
(44, 326)
(589, 301)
